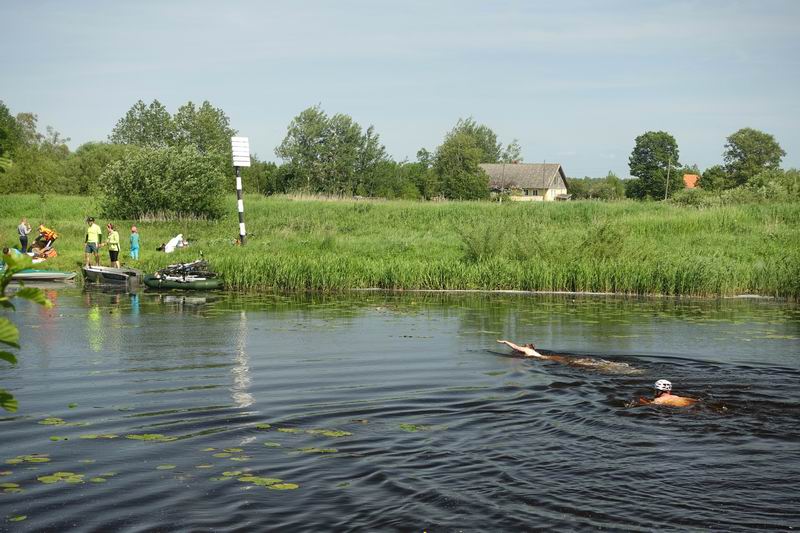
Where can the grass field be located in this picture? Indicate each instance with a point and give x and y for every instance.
(624, 247)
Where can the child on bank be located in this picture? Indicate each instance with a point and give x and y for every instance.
(134, 243)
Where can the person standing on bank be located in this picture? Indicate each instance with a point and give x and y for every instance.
(24, 228)
(113, 245)
(94, 237)
(134, 243)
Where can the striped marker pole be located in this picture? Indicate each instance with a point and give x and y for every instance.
(240, 150)
(240, 203)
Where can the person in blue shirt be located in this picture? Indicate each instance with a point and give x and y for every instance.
(134, 243)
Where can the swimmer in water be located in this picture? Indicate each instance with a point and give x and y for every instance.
(664, 396)
(583, 362)
(527, 349)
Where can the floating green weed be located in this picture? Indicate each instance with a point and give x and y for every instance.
(263, 426)
(165, 467)
(56, 439)
(209, 449)
(233, 450)
(232, 473)
(204, 466)
(222, 455)
(343, 485)
(18, 518)
(289, 430)
(9, 486)
(272, 444)
(98, 480)
(153, 437)
(92, 436)
(72, 405)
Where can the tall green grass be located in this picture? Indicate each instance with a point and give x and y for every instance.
(625, 247)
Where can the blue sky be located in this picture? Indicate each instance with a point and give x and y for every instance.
(574, 82)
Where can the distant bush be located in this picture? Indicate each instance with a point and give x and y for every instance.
(165, 183)
(774, 185)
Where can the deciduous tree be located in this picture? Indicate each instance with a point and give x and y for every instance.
(456, 163)
(748, 152)
(145, 125)
(654, 154)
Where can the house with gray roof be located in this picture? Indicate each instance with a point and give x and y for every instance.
(526, 182)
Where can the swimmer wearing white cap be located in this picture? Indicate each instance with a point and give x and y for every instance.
(664, 396)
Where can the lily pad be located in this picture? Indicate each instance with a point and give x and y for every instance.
(52, 421)
(18, 518)
(414, 428)
(9, 486)
(165, 467)
(209, 449)
(233, 450)
(31, 458)
(232, 473)
(289, 430)
(284, 486)
(98, 480)
(92, 436)
(56, 439)
(66, 477)
(263, 426)
(318, 450)
(222, 454)
(154, 437)
(260, 481)
(272, 444)
(329, 432)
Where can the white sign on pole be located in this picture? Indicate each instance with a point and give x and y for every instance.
(240, 146)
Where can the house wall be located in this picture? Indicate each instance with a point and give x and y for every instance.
(551, 194)
(548, 196)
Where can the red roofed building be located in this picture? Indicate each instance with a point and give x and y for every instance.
(690, 180)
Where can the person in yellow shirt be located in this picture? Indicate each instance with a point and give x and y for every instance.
(113, 245)
(94, 237)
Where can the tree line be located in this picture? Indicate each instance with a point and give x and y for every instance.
(151, 154)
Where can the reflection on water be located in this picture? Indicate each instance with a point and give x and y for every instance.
(241, 371)
(384, 412)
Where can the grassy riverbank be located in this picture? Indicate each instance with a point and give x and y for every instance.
(626, 247)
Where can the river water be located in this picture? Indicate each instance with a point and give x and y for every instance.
(387, 412)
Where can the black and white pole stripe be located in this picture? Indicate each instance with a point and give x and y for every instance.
(240, 205)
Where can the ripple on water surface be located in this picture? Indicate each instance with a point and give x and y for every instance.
(387, 412)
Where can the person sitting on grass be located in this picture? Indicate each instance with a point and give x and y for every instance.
(664, 396)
